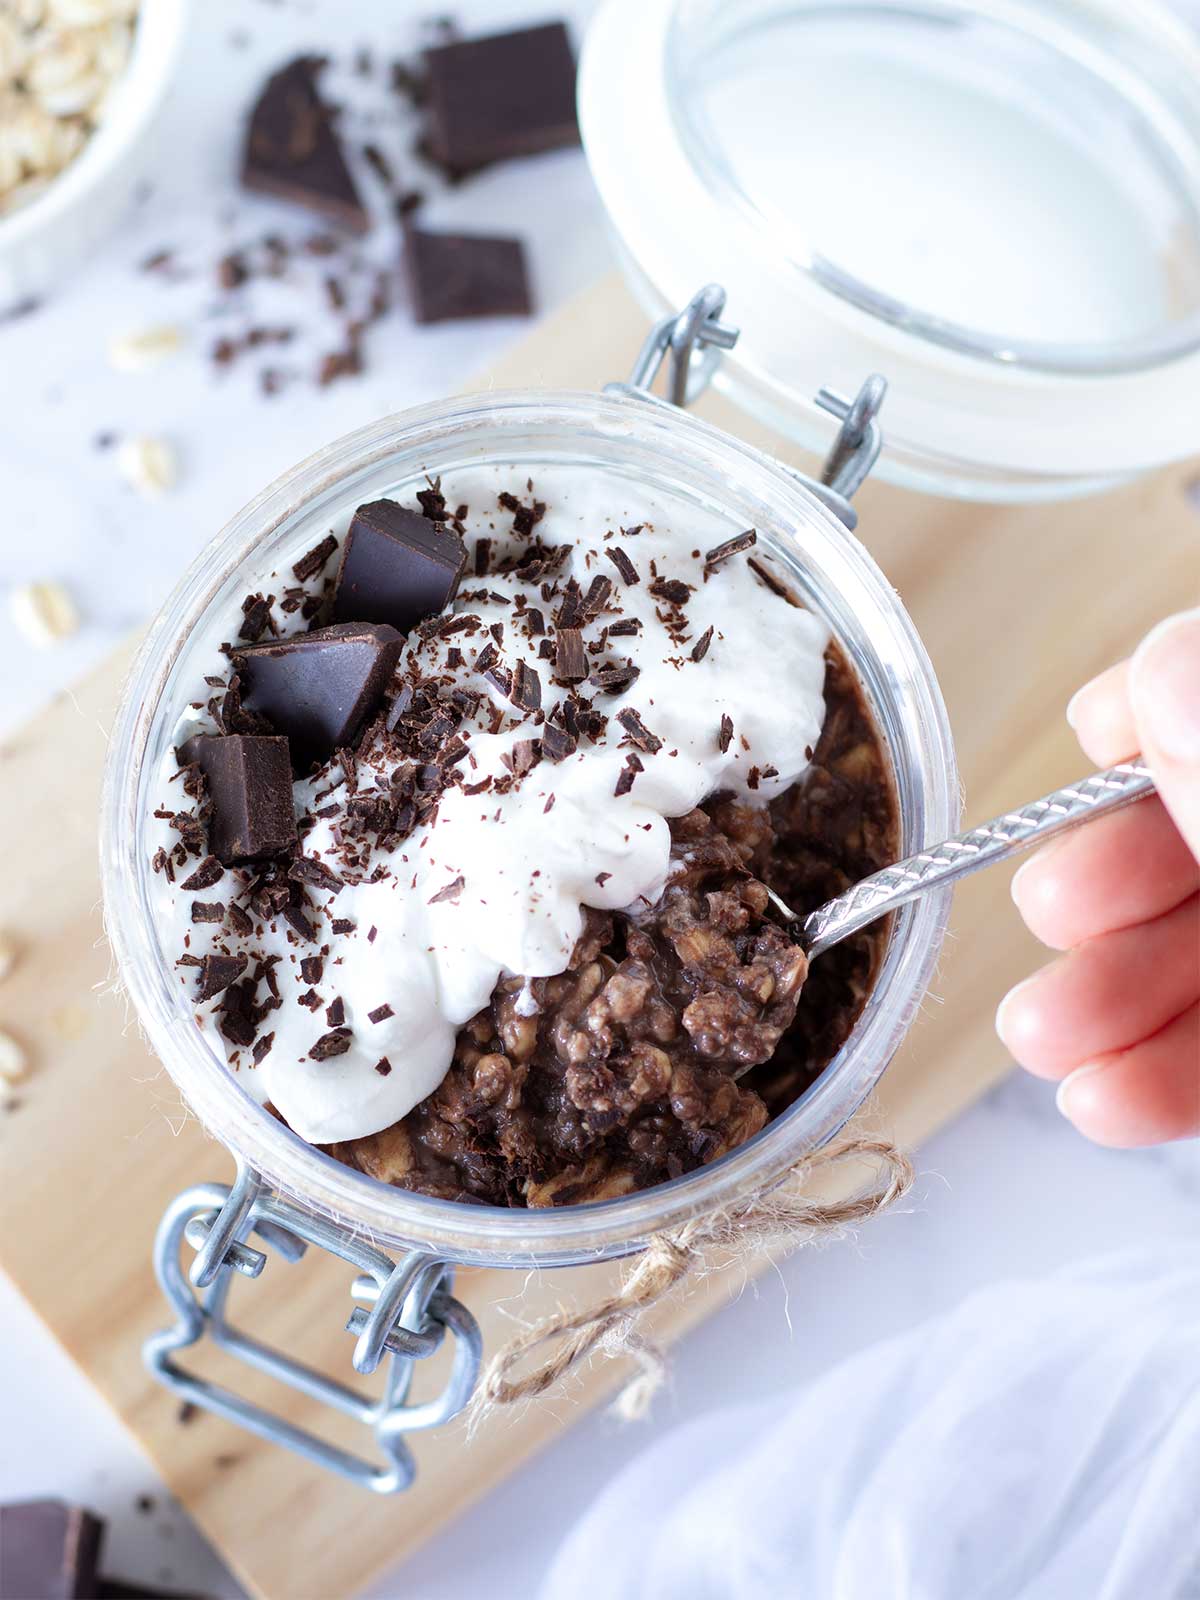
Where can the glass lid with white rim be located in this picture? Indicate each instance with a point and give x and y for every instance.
(996, 204)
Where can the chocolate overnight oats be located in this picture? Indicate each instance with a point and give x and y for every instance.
(463, 850)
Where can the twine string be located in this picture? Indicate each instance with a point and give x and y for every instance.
(770, 1222)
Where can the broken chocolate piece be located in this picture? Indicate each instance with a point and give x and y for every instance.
(623, 564)
(380, 1013)
(311, 563)
(700, 648)
(627, 774)
(526, 687)
(452, 276)
(49, 1551)
(639, 734)
(397, 567)
(250, 785)
(509, 94)
(292, 151)
(319, 688)
(557, 744)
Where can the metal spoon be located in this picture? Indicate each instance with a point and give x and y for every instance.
(967, 852)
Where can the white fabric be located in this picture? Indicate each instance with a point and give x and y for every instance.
(1039, 1442)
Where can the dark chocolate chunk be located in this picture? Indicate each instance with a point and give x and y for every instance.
(639, 734)
(673, 590)
(293, 152)
(343, 925)
(239, 920)
(700, 648)
(250, 785)
(207, 911)
(452, 276)
(209, 871)
(383, 1066)
(319, 688)
(217, 973)
(380, 1014)
(731, 547)
(570, 658)
(397, 567)
(311, 969)
(334, 1043)
(509, 94)
(309, 565)
(262, 1047)
(623, 564)
(49, 1551)
(335, 1012)
(595, 600)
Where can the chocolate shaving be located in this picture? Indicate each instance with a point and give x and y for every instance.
(613, 676)
(217, 973)
(673, 590)
(731, 547)
(311, 968)
(700, 648)
(207, 911)
(306, 869)
(526, 688)
(623, 564)
(725, 736)
(627, 774)
(639, 734)
(309, 565)
(380, 1014)
(557, 744)
(451, 892)
(209, 871)
(334, 1043)
(262, 1047)
(570, 659)
(335, 1012)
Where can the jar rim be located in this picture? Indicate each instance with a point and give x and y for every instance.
(459, 1231)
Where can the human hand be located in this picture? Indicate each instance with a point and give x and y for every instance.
(1116, 1020)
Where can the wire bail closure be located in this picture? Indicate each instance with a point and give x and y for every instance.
(408, 1309)
(692, 342)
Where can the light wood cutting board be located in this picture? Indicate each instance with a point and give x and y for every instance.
(1017, 608)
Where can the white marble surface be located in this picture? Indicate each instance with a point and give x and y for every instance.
(1008, 1188)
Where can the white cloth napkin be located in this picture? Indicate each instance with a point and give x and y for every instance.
(1040, 1442)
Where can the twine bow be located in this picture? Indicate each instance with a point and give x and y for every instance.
(775, 1221)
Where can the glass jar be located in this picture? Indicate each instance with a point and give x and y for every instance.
(994, 203)
(640, 441)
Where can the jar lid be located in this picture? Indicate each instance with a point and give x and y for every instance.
(995, 204)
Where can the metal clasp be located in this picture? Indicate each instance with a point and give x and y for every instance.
(408, 1310)
(694, 340)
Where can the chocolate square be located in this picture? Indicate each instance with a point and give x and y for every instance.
(397, 566)
(509, 94)
(319, 688)
(250, 787)
(292, 151)
(452, 276)
(49, 1551)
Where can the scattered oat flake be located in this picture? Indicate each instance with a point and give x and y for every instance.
(13, 1062)
(149, 464)
(43, 613)
(143, 349)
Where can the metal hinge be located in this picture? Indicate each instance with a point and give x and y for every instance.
(408, 1309)
(693, 341)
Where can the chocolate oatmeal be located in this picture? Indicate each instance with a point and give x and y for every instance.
(518, 728)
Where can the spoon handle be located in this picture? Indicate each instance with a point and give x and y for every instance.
(956, 858)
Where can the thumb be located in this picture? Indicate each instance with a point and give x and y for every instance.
(1164, 689)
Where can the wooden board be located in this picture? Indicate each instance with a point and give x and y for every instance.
(1017, 608)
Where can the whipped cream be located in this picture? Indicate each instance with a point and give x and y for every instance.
(495, 884)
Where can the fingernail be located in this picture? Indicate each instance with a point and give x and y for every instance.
(1005, 1006)
(1073, 708)
(1039, 858)
(1165, 686)
(1062, 1095)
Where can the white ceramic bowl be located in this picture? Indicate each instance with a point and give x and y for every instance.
(45, 241)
